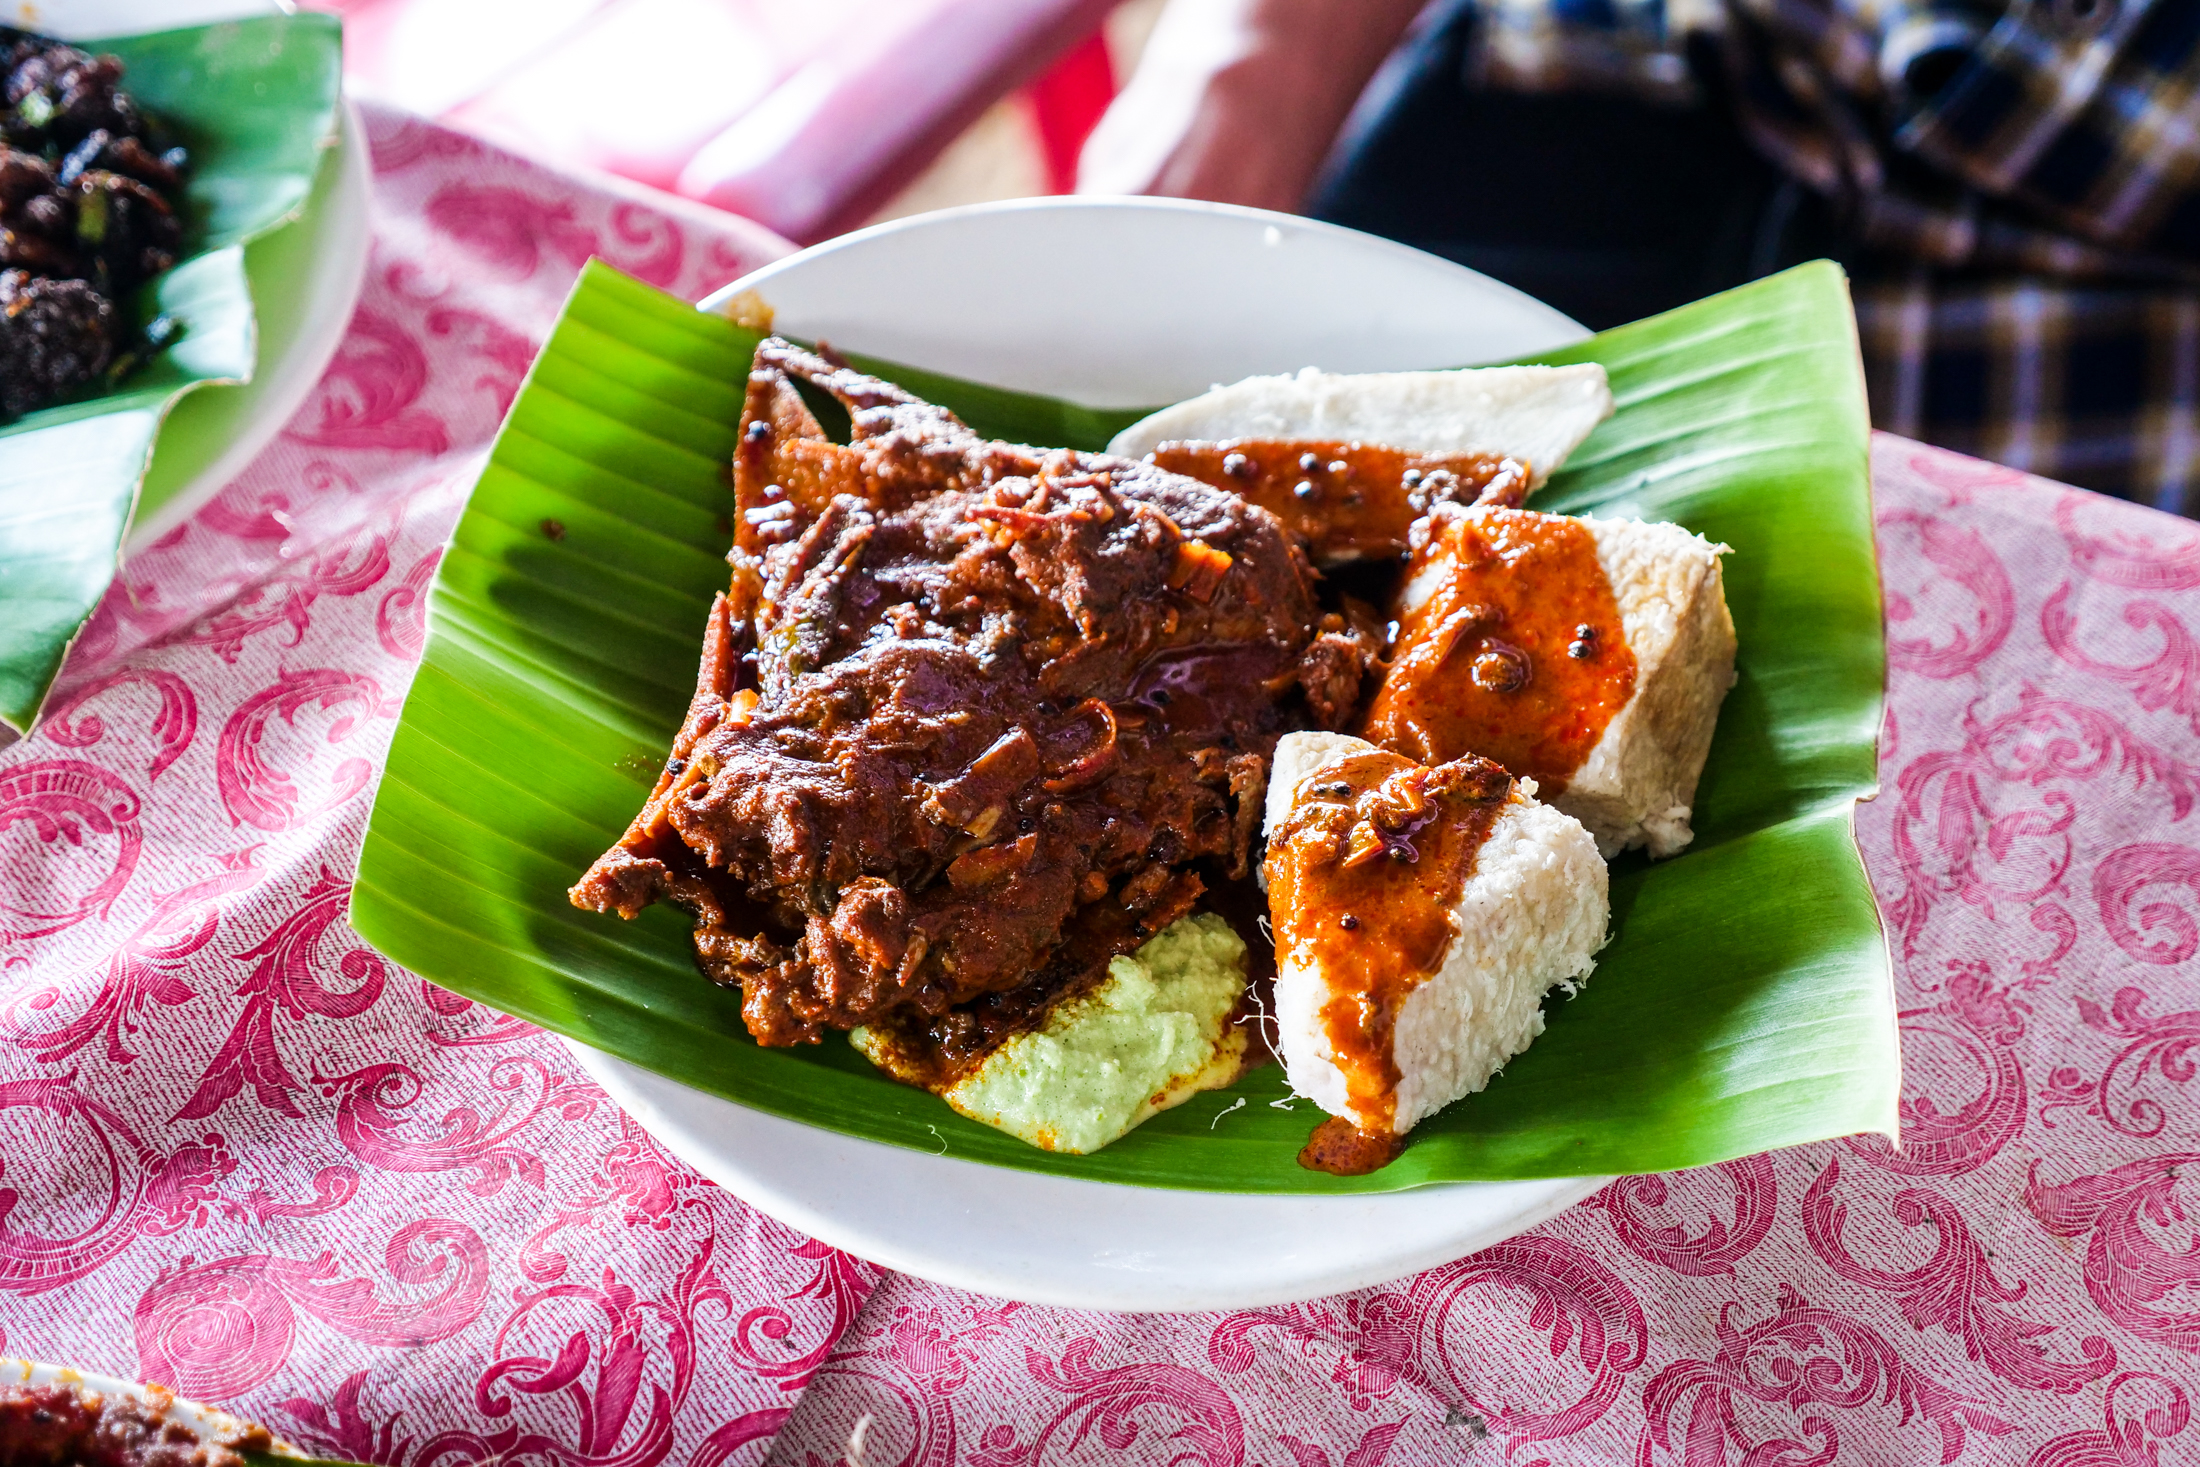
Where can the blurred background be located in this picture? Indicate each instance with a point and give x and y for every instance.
(810, 118)
(2012, 185)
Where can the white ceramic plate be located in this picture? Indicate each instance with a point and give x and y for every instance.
(303, 300)
(302, 312)
(1129, 302)
(70, 19)
(1110, 302)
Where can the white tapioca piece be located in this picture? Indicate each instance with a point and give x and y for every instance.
(1529, 915)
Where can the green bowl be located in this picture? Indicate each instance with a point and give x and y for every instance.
(257, 102)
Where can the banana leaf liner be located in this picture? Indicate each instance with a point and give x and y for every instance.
(1745, 1001)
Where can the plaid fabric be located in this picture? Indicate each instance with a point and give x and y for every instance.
(2020, 180)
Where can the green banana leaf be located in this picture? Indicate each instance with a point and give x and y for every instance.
(1745, 1001)
(255, 101)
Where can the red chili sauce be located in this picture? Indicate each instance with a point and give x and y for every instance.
(1363, 879)
(1509, 646)
(1348, 501)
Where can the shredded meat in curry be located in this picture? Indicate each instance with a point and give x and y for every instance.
(967, 717)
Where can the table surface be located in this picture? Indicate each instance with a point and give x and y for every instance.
(243, 1155)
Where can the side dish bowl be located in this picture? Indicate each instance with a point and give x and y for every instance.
(221, 1433)
(256, 100)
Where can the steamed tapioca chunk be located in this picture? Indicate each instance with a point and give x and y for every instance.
(1538, 414)
(1348, 462)
(1420, 915)
(1590, 655)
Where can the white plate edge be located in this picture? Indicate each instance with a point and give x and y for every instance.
(719, 301)
(610, 1072)
(331, 297)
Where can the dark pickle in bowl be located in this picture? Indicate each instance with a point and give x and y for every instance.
(90, 196)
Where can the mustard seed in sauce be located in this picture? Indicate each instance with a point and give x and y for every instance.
(1536, 592)
(1379, 491)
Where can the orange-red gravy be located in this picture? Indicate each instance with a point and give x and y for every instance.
(1363, 877)
(1344, 1150)
(1516, 655)
(1349, 501)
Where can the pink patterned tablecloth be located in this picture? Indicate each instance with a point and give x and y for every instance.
(242, 1154)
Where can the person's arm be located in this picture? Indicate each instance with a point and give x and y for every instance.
(1238, 101)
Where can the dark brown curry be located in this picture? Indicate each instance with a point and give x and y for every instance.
(56, 1425)
(968, 718)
